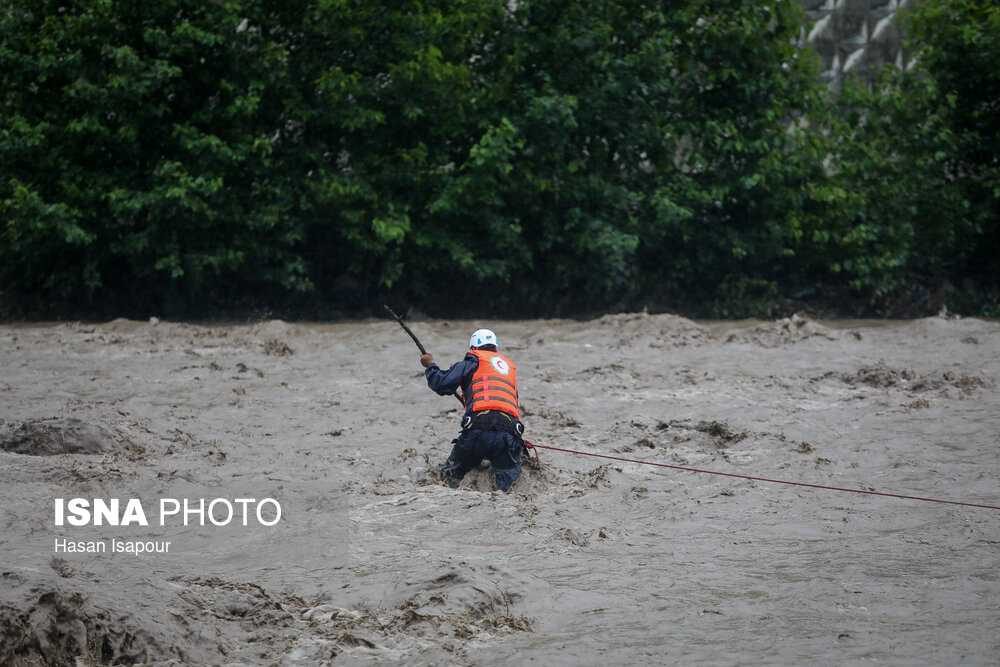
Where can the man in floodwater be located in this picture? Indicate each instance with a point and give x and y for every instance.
(491, 426)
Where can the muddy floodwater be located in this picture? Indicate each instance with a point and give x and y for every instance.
(586, 561)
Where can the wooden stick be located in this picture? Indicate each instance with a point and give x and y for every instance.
(406, 329)
(416, 340)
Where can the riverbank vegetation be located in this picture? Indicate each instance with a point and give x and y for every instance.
(315, 157)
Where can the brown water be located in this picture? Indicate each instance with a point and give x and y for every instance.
(585, 562)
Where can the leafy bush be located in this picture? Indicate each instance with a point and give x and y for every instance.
(142, 153)
(959, 42)
(548, 156)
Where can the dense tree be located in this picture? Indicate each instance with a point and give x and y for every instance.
(959, 48)
(631, 151)
(141, 147)
(313, 156)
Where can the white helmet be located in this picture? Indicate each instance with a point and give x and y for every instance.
(483, 337)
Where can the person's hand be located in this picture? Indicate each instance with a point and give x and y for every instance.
(426, 360)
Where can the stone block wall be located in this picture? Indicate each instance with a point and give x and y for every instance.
(855, 36)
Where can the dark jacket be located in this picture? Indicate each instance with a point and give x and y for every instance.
(459, 375)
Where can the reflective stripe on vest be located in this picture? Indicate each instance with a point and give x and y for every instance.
(494, 384)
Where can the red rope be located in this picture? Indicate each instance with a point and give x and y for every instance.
(766, 479)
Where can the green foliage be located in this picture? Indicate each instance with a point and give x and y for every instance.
(139, 151)
(722, 213)
(902, 199)
(959, 42)
(904, 217)
(553, 155)
(642, 148)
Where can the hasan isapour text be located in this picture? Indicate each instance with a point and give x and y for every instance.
(114, 545)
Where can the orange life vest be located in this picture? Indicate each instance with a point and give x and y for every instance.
(494, 384)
